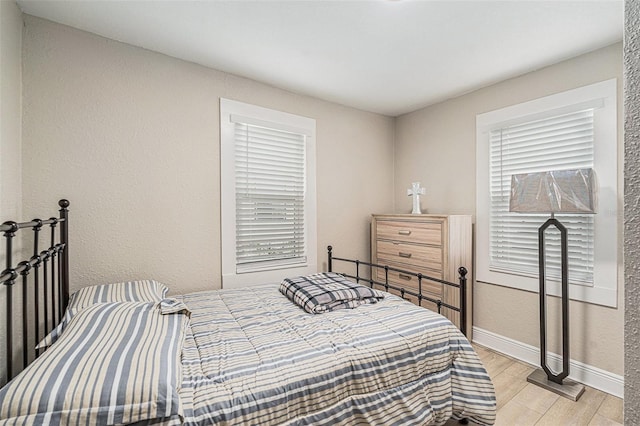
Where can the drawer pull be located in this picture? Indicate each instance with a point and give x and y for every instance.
(405, 277)
(407, 255)
(404, 232)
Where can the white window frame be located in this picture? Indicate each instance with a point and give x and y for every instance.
(602, 96)
(231, 111)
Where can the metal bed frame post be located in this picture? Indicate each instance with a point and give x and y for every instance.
(9, 234)
(463, 299)
(64, 240)
(386, 278)
(52, 250)
(23, 269)
(36, 259)
(25, 306)
(45, 286)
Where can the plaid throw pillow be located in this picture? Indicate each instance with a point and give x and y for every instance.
(327, 291)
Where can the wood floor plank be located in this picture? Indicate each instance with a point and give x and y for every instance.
(567, 412)
(519, 369)
(536, 398)
(506, 386)
(495, 364)
(599, 420)
(612, 408)
(514, 413)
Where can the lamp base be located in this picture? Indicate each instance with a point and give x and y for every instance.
(569, 389)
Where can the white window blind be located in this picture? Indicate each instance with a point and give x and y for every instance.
(267, 194)
(559, 142)
(270, 197)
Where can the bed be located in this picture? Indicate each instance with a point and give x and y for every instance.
(124, 353)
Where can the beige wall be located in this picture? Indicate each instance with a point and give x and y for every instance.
(10, 109)
(443, 137)
(131, 138)
(10, 133)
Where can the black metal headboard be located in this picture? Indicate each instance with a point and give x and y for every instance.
(44, 277)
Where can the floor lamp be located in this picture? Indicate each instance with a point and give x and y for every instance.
(561, 191)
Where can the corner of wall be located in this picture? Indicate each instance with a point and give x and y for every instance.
(393, 163)
(631, 209)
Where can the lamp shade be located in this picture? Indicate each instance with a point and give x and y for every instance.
(558, 191)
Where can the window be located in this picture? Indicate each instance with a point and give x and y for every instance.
(562, 141)
(268, 194)
(574, 129)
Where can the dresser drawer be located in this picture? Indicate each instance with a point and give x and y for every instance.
(411, 281)
(410, 254)
(410, 232)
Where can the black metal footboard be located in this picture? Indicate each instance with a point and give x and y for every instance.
(43, 279)
(462, 285)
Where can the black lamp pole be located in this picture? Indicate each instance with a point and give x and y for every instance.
(565, 301)
(555, 382)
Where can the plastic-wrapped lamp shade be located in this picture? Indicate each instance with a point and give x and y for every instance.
(559, 191)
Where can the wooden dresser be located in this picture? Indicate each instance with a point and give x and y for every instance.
(434, 245)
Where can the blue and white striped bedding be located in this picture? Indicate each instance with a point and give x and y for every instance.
(129, 291)
(251, 356)
(115, 363)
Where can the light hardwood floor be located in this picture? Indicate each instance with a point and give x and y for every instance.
(521, 403)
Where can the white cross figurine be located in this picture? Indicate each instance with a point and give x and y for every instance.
(415, 192)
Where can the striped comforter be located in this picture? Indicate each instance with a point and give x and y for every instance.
(252, 357)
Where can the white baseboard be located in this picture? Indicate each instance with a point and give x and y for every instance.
(586, 374)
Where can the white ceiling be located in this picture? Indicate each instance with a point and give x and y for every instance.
(389, 57)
